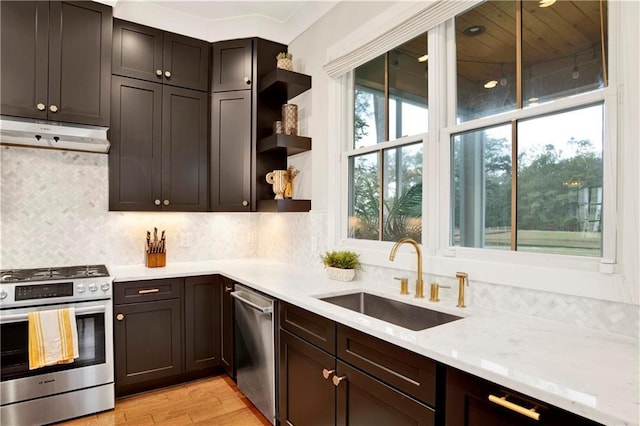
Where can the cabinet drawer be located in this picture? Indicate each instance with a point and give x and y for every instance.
(148, 290)
(400, 368)
(468, 404)
(313, 328)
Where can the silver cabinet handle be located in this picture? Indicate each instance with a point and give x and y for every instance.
(245, 203)
(247, 80)
(120, 317)
(151, 290)
(159, 73)
(326, 373)
(167, 74)
(228, 289)
(165, 202)
(41, 106)
(336, 380)
(264, 309)
(157, 202)
(53, 108)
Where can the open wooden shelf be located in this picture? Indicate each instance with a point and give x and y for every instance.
(290, 82)
(291, 143)
(284, 206)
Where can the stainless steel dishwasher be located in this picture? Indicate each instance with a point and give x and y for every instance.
(254, 349)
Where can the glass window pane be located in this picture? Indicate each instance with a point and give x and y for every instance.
(562, 49)
(408, 88)
(402, 187)
(486, 57)
(560, 183)
(364, 197)
(481, 188)
(369, 104)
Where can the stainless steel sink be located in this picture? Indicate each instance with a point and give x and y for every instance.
(398, 313)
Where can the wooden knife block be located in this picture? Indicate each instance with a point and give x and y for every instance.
(156, 260)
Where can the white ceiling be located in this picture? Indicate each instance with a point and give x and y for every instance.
(215, 20)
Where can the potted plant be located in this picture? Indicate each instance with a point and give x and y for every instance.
(341, 265)
(285, 61)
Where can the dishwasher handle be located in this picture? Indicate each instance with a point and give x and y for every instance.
(268, 309)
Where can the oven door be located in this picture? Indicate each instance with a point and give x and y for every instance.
(93, 367)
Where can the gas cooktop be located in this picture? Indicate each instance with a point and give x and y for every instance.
(47, 274)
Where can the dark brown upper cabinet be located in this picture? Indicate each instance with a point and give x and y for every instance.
(248, 94)
(158, 158)
(159, 56)
(56, 60)
(231, 151)
(232, 69)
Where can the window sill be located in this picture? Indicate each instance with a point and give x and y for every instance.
(570, 275)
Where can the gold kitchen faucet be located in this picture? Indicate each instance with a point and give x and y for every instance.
(392, 255)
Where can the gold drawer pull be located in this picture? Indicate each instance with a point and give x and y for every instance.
(502, 401)
(151, 290)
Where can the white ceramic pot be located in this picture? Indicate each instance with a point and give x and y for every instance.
(341, 274)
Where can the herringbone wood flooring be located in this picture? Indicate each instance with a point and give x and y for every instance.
(214, 401)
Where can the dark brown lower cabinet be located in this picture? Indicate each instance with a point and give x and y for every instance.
(148, 341)
(201, 322)
(363, 400)
(226, 326)
(166, 331)
(320, 388)
(306, 397)
(468, 404)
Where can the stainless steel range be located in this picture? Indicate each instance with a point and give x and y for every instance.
(59, 392)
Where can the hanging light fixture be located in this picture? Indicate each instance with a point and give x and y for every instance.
(503, 79)
(576, 72)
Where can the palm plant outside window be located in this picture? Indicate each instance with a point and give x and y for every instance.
(385, 161)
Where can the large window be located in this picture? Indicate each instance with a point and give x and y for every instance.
(559, 185)
(532, 183)
(385, 161)
(517, 158)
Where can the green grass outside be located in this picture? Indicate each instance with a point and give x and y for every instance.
(553, 242)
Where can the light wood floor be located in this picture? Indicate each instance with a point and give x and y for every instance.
(213, 401)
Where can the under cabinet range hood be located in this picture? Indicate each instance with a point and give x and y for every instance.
(48, 134)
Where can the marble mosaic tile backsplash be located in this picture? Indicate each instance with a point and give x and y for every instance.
(54, 212)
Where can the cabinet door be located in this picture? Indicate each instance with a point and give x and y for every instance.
(232, 65)
(186, 62)
(184, 150)
(137, 51)
(468, 404)
(80, 62)
(148, 341)
(231, 151)
(201, 322)
(363, 400)
(227, 325)
(306, 397)
(135, 162)
(24, 30)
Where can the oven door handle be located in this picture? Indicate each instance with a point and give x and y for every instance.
(87, 310)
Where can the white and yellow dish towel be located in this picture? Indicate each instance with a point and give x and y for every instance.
(53, 337)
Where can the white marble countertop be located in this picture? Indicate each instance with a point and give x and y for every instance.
(587, 372)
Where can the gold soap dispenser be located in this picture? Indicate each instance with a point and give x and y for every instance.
(462, 278)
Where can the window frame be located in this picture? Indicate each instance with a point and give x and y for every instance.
(586, 276)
